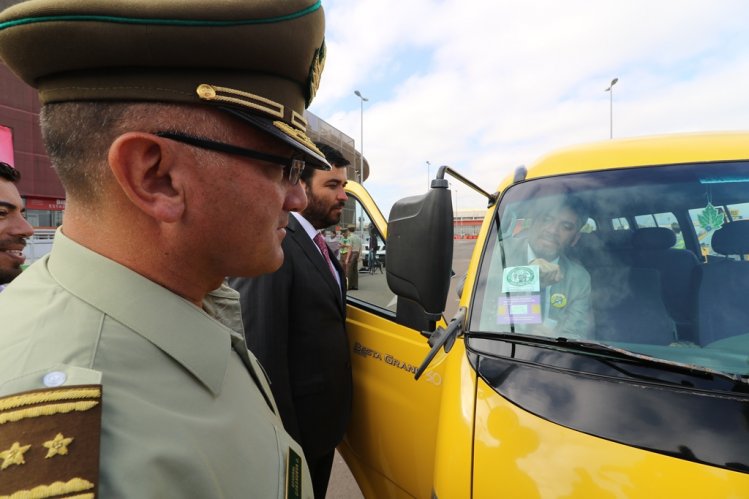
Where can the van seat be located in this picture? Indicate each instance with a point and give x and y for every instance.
(627, 306)
(626, 300)
(603, 249)
(723, 286)
(653, 249)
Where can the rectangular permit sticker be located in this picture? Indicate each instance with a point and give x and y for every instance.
(521, 279)
(294, 475)
(522, 309)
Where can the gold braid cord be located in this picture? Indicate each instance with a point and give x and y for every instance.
(49, 443)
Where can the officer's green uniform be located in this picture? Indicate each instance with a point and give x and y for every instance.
(182, 414)
(87, 344)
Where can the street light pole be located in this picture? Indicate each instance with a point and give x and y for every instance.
(610, 90)
(429, 176)
(361, 143)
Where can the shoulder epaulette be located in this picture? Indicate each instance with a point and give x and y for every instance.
(49, 442)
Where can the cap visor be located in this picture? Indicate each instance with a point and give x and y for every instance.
(311, 157)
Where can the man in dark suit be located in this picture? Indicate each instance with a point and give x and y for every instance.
(294, 322)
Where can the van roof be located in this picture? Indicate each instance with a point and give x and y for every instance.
(643, 151)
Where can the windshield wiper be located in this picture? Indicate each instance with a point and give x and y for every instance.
(598, 347)
(442, 337)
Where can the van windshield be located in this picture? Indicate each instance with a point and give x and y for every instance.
(651, 260)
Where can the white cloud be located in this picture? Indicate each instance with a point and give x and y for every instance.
(485, 85)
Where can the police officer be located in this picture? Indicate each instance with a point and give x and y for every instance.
(177, 130)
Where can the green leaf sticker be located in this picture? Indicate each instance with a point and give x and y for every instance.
(710, 218)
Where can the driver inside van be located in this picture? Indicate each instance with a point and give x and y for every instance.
(542, 290)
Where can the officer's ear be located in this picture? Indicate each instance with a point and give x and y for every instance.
(149, 173)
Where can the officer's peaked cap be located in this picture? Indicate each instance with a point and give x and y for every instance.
(260, 60)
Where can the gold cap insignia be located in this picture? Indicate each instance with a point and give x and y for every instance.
(297, 135)
(315, 72)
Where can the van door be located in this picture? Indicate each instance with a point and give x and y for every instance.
(390, 445)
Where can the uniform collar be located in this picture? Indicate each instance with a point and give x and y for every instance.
(186, 333)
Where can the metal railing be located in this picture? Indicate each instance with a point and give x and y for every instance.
(39, 244)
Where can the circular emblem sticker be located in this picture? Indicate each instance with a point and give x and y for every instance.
(558, 300)
(521, 276)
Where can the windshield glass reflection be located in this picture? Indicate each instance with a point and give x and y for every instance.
(653, 260)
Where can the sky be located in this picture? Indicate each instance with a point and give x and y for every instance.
(486, 85)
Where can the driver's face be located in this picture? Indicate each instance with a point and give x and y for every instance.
(553, 232)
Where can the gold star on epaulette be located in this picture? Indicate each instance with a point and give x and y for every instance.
(57, 446)
(62, 422)
(14, 455)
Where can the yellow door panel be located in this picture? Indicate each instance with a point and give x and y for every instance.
(391, 438)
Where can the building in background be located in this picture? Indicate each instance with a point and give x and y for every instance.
(467, 223)
(21, 146)
(320, 130)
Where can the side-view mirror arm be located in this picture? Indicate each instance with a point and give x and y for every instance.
(443, 337)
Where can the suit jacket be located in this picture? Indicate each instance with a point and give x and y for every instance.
(572, 311)
(294, 322)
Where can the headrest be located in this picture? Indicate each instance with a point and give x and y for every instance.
(602, 249)
(602, 241)
(653, 238)
(732, 238)
(616, 239)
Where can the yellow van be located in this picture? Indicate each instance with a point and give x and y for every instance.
(600, 346)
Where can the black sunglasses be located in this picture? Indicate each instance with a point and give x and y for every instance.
(295, 166)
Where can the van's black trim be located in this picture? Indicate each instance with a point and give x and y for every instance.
(690, 416)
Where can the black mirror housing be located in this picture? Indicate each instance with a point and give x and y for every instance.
(420, 249)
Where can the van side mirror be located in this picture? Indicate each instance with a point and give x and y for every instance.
(419, 256)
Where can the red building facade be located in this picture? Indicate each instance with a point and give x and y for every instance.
(19, 128)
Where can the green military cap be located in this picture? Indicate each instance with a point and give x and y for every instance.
(260, 60)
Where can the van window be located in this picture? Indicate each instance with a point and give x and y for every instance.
(366, 269)
(640, 284)
(667, 219)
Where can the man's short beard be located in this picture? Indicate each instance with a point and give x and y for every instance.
(7, 275)
(319, 214)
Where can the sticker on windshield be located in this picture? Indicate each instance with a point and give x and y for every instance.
(519, 309)
(522, 279)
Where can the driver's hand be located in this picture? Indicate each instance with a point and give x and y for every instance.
(551, 273)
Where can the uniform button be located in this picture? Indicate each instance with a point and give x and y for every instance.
(54, 378)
